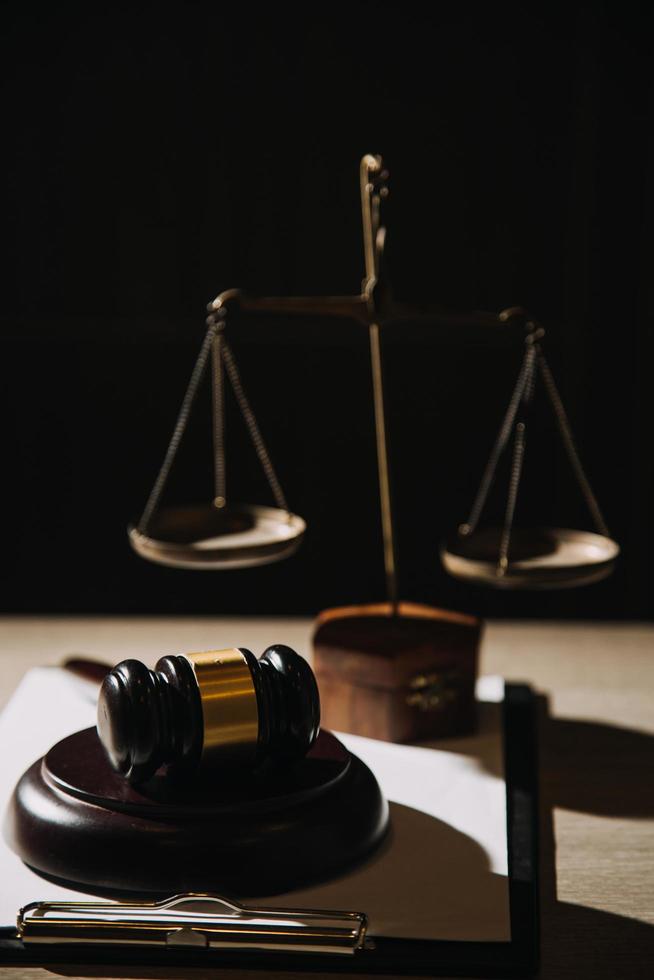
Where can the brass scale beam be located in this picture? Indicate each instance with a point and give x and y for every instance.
(373, 308)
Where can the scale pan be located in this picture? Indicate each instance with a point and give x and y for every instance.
(203, 536)
(540, 558)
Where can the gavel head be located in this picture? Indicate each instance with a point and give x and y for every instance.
(221, 708)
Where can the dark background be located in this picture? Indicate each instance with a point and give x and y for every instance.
(154, 155)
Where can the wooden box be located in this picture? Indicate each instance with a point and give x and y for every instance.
(403, 676)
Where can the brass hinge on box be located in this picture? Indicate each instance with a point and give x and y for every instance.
(435, 690)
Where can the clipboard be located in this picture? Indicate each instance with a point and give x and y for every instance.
(376, 955)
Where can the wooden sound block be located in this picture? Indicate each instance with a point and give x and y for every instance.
(257, 832)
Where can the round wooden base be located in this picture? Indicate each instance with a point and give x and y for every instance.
(251, 833)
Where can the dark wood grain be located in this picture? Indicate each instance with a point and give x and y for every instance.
(73, 818)
(377, 671)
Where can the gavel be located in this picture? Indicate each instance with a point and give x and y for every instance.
(222, 708)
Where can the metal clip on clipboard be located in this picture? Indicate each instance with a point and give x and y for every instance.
(195, 921)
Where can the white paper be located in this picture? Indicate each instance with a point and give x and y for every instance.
(441, 874)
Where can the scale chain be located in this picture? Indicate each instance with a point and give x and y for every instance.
(514, 483)
(524, 382)
(568, 440)
(218, 399)
(253, 428)
(179, 430)
(518, 453)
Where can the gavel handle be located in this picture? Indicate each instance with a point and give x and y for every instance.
(93, 671)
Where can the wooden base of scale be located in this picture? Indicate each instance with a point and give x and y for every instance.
(398, 673)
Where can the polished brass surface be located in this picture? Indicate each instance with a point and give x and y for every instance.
(390, 565)
(229, 705)
(434, 690)
(193, 920)
(529, 558)
(364, 308)
(352, 307)
(218, 536)
(369, 166)
(549, 558)
(372, 178)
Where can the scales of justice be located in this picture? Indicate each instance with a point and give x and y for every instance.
(221, 534)
(393, 670)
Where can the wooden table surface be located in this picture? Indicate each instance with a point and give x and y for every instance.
(597, 764)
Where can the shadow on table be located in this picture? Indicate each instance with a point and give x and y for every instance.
(599, 769)
(593, 768)
(585, 766)
(596, 768)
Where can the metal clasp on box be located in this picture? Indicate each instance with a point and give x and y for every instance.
(433, 691)
(193, 920)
